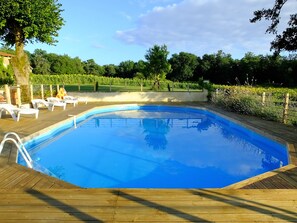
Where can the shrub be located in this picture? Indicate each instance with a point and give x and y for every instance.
(247, 104)
(243, 104)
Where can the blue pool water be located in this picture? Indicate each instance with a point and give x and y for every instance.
(155, 147)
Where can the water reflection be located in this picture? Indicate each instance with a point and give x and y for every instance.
(271, 162)
(252, 144)
(204, 124)
(155, 131)
(199, 123)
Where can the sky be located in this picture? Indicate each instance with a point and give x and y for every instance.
(112, 31)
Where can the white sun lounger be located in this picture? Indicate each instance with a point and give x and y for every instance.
(56, 102)
(37, 103)
(70, 100)
(16, 112)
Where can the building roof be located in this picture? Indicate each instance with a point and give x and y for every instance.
(6, 54)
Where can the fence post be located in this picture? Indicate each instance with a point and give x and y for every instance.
(51, 90)
(216, 95)
(78, 86)
(31, 92)
(7, 94)
(42, 91)
(110, 86)
(286, 108)
(263, 98)
(19, 100)
(141, 85)
(58, 88)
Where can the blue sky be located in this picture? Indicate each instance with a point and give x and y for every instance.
(112, 31)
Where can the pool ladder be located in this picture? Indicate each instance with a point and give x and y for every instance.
(13, 137)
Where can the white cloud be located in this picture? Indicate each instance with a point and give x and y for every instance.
(202, 26)
(126, 15)
(97, 46)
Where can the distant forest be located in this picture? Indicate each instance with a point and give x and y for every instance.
(218, 68)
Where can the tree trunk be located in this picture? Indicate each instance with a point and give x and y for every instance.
(21, 67)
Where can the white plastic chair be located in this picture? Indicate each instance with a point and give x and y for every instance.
(70, 100)
(37, 103)
(56, 102)
(16, 112)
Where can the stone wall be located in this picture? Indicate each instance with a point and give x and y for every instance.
(142, 96)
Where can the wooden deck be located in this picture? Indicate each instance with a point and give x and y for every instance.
(283, 178)
(99, 205)
(28, 196)
(14, 176)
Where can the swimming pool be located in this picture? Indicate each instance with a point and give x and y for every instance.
(135, 146)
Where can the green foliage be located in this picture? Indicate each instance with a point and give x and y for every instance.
(37, 20)
(39, 62)
(139, 76)
(219, 68)
(248, 100)
(246, 104)
(126, 69)
(75, 79)
(183, 66)
(6, 74)
(110, 70)
(157, 63)
(288, 39)
(23, 21)
(239, 103)
(278, 92)
(64, 64)
(91, 67)
(140, 67)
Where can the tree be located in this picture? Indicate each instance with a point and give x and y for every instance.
(23, 21)
(157, 64)
(183, 66)
(65, 64)
(288, 39)
(110, 70)
(126, 69)
(76, 65)
(249, 69)
(155, 133)
(39, 63)
(218, 68)
(140, 69)
(91, 67)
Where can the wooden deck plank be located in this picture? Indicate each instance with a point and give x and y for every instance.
(16, 176)
(217, 205)
(281, 180)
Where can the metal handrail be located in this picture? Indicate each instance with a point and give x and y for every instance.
(19, 145)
